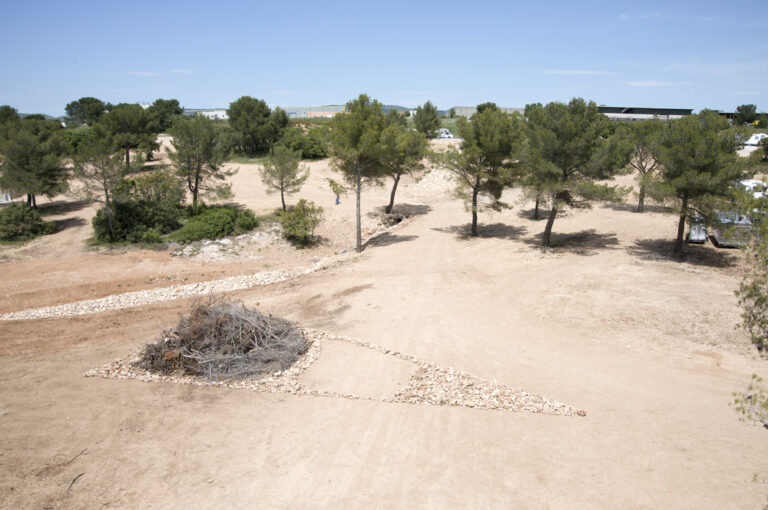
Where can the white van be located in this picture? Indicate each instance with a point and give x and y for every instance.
(732, 230)
(754, 140)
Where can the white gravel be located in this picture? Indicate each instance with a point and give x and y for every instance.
(145, 297)
(428, 384)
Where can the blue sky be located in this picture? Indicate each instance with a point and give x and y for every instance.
(662, 54)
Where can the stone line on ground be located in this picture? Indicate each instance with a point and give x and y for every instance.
(146, 297)
(150, 296)
(429, 384)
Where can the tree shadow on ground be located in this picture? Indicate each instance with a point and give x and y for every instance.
(629, 207)
(401, 210)
(527, 214)
(586, 242)
(62, 207)
(69, 223)
(700, 255)
(494, 230)
(387, 239)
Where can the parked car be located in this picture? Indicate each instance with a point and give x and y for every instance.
(697, 232)
(754, 186)
(732, 230)
(444, 133)
(755, 139)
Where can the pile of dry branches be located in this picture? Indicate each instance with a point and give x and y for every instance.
(225, 340)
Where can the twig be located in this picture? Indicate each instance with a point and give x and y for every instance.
(73, 481)
(76, 456)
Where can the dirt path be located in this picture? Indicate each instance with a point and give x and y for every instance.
(605, 322)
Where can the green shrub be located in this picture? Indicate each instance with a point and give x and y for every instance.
(19, 222)
(154, 186)
(152, 236)
(245, 222)
(132, 219)
(214, 223)
(299, 222)
(312, 144)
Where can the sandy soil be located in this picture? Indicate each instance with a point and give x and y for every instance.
(607, 322)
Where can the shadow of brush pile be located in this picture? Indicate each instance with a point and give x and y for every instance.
(223, 340)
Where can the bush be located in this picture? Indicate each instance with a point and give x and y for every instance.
(752, 403)
(312, 144)
(245, 221)
(19, 222)
(152, 236)
(154, 186)
(131, 220)
(225, 340)
(214, 223)
(299, 222)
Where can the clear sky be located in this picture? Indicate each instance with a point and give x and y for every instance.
(703, 54)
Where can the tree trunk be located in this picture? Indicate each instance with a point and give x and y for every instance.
(34, 201)
(282, 198)
(474, 210)
(108, 211)
(195, 191)
(29, 199)
(536, 207)
(392, 195)
(127, 155)
(357, 186)
(548, 229)
(681, 226)
(641, 202)
(109, 223)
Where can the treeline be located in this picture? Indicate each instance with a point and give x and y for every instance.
(562, 155)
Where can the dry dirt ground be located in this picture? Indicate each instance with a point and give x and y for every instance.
(606, 322)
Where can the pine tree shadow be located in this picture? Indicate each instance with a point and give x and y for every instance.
(699, 255)
(69, 223)
(62, 207)
(587, 242)
(629, 207)
(494, 230)
(401, 211)
(528, 214)
(387, 239)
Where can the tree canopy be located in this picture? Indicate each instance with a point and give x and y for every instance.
(745, 114)
(131, 127)
(8, 115)
(9, 121)
(355, 146)
(165, 111)
(282, 171)
(402, 150)
(699, 164)
(32, 163)
(86, 110)
(426, 120)
(99, 170)
(257, 126)
(644, 137)
(493, 143)
(198, 157)
(570, 153)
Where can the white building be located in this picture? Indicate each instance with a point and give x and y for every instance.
(211, 113)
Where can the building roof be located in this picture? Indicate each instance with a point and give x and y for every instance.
(644, 111)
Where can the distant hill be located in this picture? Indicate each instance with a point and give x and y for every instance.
(47, 117)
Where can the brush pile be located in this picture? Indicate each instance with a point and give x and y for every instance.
(222, 340)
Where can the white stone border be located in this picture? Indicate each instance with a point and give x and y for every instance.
(429, 384)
